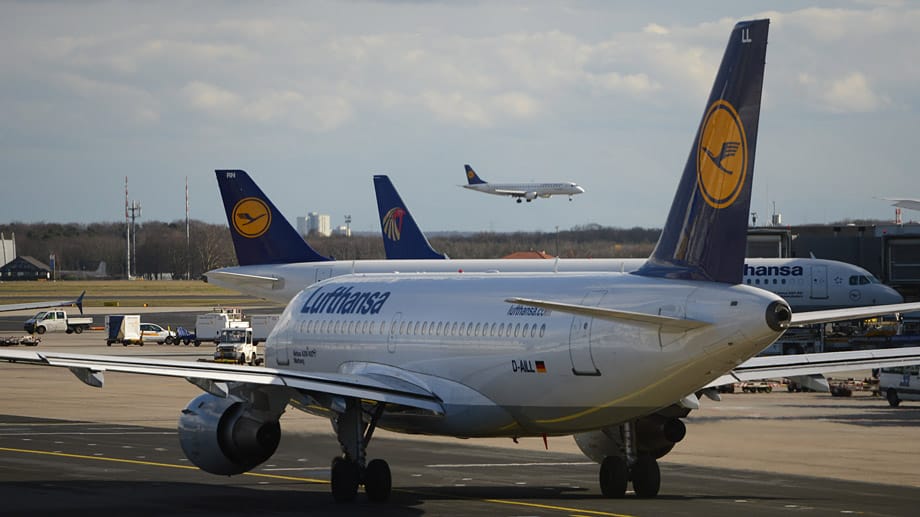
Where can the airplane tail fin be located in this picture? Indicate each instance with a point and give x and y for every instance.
(472, 177)
(402, 238)
(705, 235)
(261, 235)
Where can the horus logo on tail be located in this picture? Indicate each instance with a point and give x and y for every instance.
(392, 223)
(251, 217)
(722, 155)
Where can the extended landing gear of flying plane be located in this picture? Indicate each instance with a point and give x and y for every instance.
(352, 470)
(518, 200)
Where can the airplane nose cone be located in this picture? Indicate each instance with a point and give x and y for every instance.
(580, 190)
(889, 295)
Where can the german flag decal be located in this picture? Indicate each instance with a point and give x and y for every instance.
(541, 368)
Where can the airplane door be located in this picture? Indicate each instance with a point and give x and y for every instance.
(323, 273)
(580, 338)
(819, 282)
(394, 332)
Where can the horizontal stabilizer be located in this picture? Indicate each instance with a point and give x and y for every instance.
(851, 313)
(667, 323)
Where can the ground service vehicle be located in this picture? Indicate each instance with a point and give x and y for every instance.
(124, 329)
(899, 383)
(234, 345)
(208, 326)
(56, 321)
(262, 325)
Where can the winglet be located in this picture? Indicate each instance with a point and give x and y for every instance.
(261, 235)
(471, 177)
(79, 301)
(705, 234)
(402, 238)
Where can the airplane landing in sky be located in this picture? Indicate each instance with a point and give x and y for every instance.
(521, 191)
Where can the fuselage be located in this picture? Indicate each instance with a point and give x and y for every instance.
(510, 370)
(528, 190)
(806, 284)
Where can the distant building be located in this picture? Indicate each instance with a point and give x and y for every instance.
(321, 224)
(343, 231)
(7, 249)
(25, 268)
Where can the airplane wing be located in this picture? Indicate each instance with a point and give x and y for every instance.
(636, 318)
(910, 204)
(812, 364)
(42, 305)
(241, 279)
(508, 192)
(213, 377)
(852, 313)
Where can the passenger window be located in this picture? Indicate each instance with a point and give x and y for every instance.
(402, 328)
(335, 328)
(517, 330)
(492, 330)
(440, 325)
(469, 329)
(526, 327)
(542, 329)
(476, 333)
(533, 330)
(425, 328)
(508, 330)
(462, 328)
(501, 330)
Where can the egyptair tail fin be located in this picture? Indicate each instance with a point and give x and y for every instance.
(705, 235)
(261, 235)
(402, 238)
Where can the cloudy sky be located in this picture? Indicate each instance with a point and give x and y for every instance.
(313, 98)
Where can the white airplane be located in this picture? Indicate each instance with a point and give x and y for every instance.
(910, 204)
(519, 191)
(613, 358)
(78, 301)
(805, 283)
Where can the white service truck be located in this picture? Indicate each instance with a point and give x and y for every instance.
(208, 326)
(262, 325)
(56, 321)
(234, 345)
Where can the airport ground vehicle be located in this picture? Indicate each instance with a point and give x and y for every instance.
(262, 325)
(124, 329)
(184, 336)
(208, 326)
(899, 383)
(234, 345)
(156, 333)
(56, 321)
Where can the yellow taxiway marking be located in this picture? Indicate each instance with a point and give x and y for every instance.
(572, 511)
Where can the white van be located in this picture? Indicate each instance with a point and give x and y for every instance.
(899, 383)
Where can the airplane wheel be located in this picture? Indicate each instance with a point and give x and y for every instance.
(613, 477)
(377, 481)
(345, 478)
(518, 200)
(646, 477)
(892, 396)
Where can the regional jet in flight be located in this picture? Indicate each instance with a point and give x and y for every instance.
(519, 191)
(612, 358)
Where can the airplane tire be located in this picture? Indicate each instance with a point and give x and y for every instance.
(377, 481)
(646, 477)
(613, 477)
(345, 478)
(892, 396)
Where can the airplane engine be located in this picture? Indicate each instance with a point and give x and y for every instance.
(655, 436)
(225, 436)
(530, 196)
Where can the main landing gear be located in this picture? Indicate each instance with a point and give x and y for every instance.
(640, 468)
(352, 469)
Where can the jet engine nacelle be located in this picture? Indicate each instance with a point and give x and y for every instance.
(655, 435)
(225, 436)
(530, 196)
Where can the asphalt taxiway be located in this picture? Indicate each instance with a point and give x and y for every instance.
(69, 448)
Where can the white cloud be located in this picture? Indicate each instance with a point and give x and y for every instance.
(852, 94)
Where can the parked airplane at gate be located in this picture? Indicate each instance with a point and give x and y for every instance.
(806, 284)
(519, 191)
(613, 358)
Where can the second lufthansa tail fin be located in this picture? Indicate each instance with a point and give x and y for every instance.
(705, 235)
(402, 238)
(471, 177)
(261, 235)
